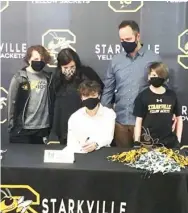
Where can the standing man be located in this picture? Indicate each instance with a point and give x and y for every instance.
(126, 77)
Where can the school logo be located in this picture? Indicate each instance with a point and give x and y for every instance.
(108, 51)
(57, 39)
(183, 47)
(18, 198)
(3, 104)
(12, 50)
(37, 85)
(125, 6)
(4, 5)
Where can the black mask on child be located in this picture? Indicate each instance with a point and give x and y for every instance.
(37, 65)
(156, 81)
(90, 103)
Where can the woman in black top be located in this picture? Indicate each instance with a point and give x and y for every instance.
(68, 75)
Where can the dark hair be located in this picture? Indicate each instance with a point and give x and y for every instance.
(160, 68)
(89, 87)
(132, 24)
(45, 55)
(65, 56)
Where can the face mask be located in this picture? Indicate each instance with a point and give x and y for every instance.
(91, 103)
(68, 72)
(37, 65)
(129, 47)
(156, 81)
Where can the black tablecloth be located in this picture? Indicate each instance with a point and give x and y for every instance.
(91, 184)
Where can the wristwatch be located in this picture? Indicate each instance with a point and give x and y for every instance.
(97, 145)
(137, 144)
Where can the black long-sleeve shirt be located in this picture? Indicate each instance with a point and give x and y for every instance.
(67, 101)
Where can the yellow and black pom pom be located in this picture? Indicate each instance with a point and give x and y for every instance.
(134, 155)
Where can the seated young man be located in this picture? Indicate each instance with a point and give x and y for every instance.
(92, 126)
(154, 110)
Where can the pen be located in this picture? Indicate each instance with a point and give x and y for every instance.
(85, 142)
(87, 139)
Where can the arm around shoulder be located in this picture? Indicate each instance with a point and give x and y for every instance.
(109, 86)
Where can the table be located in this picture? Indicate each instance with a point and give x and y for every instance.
(92, 184)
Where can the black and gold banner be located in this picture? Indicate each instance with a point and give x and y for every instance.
(91, 28)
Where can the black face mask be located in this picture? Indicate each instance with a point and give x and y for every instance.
(129, 47)
(37, 65)
(156, 81)
(90, 103)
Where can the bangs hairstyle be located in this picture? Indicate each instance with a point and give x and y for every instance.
(88, 88)
(65, 56)
(45, 55)
(160, 69)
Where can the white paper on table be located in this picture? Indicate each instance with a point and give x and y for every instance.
(59, 156)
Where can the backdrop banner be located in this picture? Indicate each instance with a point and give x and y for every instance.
(91, 28)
